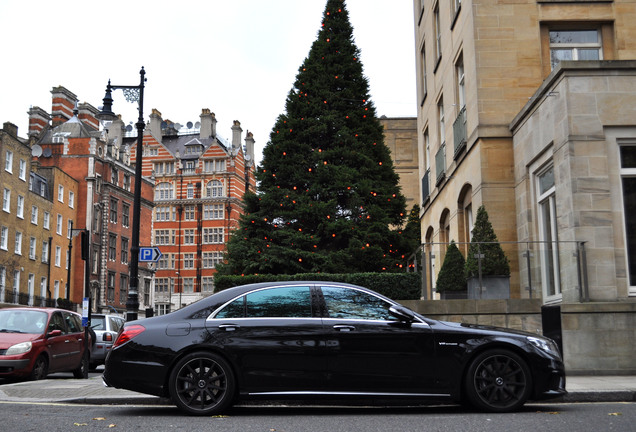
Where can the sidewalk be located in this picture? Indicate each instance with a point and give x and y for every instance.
(92, 390)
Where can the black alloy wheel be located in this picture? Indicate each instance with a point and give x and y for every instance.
(40, 368)
(498, 381)
(202, 383)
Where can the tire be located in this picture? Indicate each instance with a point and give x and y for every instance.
(40, 368)
(82, 370)
(498, 381)
(202, 383)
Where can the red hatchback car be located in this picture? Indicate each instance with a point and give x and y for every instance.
(37, 341)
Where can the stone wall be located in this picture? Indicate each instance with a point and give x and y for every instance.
(598, 338)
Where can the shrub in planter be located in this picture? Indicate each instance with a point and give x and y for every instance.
(451, 278)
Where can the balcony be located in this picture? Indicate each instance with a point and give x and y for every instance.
(459, 133)
(440, 164)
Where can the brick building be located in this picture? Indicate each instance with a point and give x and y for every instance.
(102, 199)
(199, 181)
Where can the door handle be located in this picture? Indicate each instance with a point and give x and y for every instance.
(344, 328)
(229, 327)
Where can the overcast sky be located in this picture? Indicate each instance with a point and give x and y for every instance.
(238, 58)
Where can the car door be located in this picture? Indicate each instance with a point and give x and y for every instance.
(273, 336)
(74, 340)
(57, 345)
(370, 351)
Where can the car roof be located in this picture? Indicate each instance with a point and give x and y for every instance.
(41, 309)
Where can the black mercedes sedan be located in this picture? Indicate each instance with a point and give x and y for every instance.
(323, 339)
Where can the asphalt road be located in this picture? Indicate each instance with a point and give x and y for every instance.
(553, 417)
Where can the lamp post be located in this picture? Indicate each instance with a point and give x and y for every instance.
(132, 94)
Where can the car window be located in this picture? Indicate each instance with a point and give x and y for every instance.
(347, 303)
(115, 324)
(57, 322)
(98, 323)
(281, 302)
(22, 321)
(72, 323)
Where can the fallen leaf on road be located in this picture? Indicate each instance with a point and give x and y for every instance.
(615, 414)
(99, 418)
(112, 425)
(80, 424)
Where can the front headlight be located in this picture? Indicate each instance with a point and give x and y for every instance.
(546, 345)
(21, 348)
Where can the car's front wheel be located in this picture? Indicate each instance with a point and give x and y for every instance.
(498, 381)
(202, 383)
(40, 368)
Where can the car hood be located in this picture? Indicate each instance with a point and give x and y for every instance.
(486, 328)
(9, 339)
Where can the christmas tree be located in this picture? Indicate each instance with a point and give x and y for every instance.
(484, 241)
(327, 192)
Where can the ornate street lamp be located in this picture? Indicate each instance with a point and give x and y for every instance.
(132, 94)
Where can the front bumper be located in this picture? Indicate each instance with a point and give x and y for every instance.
(14, 367)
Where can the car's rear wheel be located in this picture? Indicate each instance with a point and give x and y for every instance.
(202, 383)
(82, 370)
(498, 381)
(40, 368)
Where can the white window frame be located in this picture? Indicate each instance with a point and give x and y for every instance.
(60, 193)
(20, 207)
(8, 161)
(58, 256)
(58, 226)
(630, 173)
(46, 220)
(34, 215)
(6, 200)
(22, 170)
(18, 243)
(33, 248)
(4, 238)
(576, 47)
(71, 199)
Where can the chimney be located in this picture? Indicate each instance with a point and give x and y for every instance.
(116, 132)
(38, 120)
(208, 124)
(249, 149)
(88, 115)
(63, 104)
(236, 134)
(10, 129)
(155, 124)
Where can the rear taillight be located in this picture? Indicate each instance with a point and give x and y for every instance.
(128, 333)
(107, 337)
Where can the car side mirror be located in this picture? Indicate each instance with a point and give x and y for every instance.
(401, 313)
(54, 333)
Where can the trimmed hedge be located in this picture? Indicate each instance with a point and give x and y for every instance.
(396, 286)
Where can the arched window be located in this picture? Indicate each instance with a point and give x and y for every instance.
(164, 191)
(214, 189)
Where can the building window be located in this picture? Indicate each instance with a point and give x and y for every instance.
(190, 191)
(165, 261)
(45, 251)
(124, 250)
(215, 165)
(6, 200)
(188, 236)
(437, 31)
(127, 182)
(112, 247)
(4, 238)
(214, 189)
(60, 193)
(162, 214)
(547, 218)
(213, 212)
(207, 284)
(125, 215)
(46, 220)
(56, 289)
(189, 213)
(188, 261)
(188, 285)
(58, 227)
(110, 293)
(22, 170)
(71, 199)
(113, 210)
(123, 288)
(212, 235)
(164, 191)
(164, 237)
(34, 215)
(441, 125)
(211, 259)
(20, 207)
(423, 87)
(58, 256)
(162, 285)
(456, 6)
(69, 229)
(32, 248)
(628, 181)
(575, 45)
(18, 243)
(8, 161)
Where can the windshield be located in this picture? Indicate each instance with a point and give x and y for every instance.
(22, 321)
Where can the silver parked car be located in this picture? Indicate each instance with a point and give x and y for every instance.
(106, 328)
